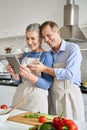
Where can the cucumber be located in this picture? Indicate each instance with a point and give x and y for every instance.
(37, 115)
(47, 115)
(31, 116)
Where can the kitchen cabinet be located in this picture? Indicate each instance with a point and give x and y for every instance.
(6, 94)
(85, 105)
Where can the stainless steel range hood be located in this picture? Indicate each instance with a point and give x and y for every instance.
(71, 31)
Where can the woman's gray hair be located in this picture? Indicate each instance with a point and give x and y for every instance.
(34, 27)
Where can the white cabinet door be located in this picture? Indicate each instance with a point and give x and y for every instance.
(85, 105)
(6, 94)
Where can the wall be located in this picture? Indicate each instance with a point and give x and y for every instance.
(84, 65)
(83, 47)
(15, 15)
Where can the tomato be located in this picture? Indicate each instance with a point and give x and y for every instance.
(42, 119)
(4, 106)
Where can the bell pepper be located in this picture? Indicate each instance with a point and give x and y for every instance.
(69, 125)
(61, 123)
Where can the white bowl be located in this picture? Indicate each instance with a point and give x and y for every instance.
(3, 118)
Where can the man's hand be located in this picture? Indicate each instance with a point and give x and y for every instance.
(40, 67)
(37, 67)
(26, 73)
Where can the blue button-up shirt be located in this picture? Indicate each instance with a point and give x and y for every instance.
(70, 55)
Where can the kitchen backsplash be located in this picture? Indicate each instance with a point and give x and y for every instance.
(83, 47)
(14, 43)
(84, 65)
(19, 42)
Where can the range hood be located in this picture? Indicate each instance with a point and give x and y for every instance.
(71, 31)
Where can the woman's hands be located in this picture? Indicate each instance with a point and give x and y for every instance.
(9, 69)
(11, 72)
(24, 72)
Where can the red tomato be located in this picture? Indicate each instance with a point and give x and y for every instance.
(42, 119)
(4, 106)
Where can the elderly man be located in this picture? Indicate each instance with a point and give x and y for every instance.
(65, 95)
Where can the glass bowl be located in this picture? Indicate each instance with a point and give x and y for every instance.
(3, 117)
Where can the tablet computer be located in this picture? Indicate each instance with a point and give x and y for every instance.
(13, 61)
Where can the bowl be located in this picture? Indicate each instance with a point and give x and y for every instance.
(3, 117)
(8, 49)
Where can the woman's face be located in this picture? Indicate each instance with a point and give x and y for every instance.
(33, 40)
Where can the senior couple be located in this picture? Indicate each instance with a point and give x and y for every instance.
(51, 83)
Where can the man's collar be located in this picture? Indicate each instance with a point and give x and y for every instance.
(62, 47)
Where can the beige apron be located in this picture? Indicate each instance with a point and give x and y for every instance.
(36, 98)
(66, 97)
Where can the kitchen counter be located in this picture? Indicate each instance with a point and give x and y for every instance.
(10, 125)
(83, 89)
(7, 82)
(6, 79)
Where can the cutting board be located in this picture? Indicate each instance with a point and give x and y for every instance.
(21, 119)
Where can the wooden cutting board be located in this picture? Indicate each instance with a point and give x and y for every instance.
(21, 119)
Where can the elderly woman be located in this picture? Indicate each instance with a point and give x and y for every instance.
(33, 87)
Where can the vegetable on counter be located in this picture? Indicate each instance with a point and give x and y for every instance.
(44, 126)
(37, 127)
(42, 119)
(57, 123)
(64, 124)
(3, 106)
(37, 115)
(61, 123)
(47, 126)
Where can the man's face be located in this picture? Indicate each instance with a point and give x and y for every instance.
(51, 36)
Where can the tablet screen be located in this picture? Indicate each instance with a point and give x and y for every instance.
(13, 61)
